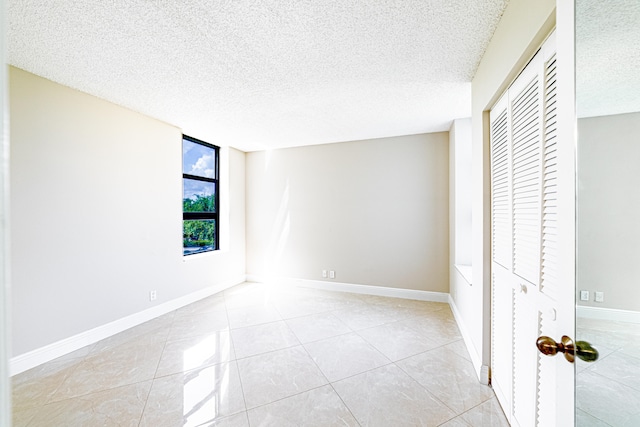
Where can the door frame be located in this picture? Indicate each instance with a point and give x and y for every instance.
(523, 28)
(567, 157)
(5, 389)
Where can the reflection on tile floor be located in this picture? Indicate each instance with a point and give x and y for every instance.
(259, 355)
(608, 390)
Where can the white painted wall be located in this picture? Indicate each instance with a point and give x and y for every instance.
(523, 27)
(374, 211)
(460, 190)
(96, 202)
(608, 206)
(460, 235)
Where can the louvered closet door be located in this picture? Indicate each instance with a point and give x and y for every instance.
(523, 209)
(502, 256)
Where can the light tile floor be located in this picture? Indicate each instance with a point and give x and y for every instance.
(258, 355)
(608, 390)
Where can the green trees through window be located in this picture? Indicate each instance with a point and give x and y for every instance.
(200, 199)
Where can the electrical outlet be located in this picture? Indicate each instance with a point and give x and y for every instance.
(324, 273)
(153, 295)
(599, 296)
(332, 274)
(584, 295)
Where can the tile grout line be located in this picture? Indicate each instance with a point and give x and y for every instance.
(345, 404)
(235, 359)
(398, 314)
(155, 372)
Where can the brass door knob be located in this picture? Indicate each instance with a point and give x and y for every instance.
(582, 349)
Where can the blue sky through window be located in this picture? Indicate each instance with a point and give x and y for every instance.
(198, 160)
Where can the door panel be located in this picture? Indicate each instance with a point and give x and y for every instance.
(526, 116)
(502, 302)
(525, 260)
(608, 208)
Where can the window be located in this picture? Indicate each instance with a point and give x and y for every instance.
(200, 196)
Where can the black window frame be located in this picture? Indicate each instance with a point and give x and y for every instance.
(196, 216)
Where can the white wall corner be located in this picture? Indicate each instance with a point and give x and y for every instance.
(482, 371)
(54, 350)
(256, 279)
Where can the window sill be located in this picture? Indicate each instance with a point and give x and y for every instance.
(466, 271)
(208, 254)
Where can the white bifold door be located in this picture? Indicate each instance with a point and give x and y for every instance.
(524, 169)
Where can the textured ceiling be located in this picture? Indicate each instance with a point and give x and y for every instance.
(259, 74)
(607, 57)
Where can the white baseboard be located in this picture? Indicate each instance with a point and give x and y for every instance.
(482, 371)
(355, 288)
(52, 351)
(608, 314)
